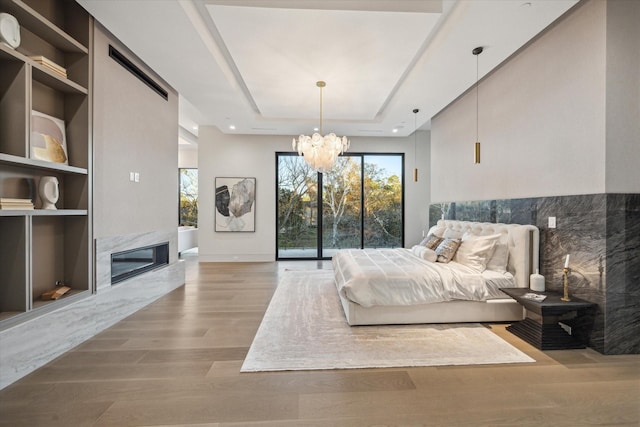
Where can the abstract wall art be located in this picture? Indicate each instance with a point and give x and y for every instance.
(235, 204)
(48, 139)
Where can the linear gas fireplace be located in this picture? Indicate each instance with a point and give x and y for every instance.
(133, 262)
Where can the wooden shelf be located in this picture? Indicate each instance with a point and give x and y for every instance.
(40, 26)
(43, 212)
(12, 160)
(11, 318)
(70, 296)
(5, 315)
(6, 53)
(50, 78)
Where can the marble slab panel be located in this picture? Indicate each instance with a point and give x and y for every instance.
(25, 347)
(622, 333)
(108, 245)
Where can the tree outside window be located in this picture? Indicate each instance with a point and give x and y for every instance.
(188, 197)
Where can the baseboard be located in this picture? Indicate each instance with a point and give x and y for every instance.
(236, 257)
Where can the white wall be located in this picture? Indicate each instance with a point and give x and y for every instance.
(623, 97)
(254, 156)
(188, 157)
(134, 130)
(541, 120)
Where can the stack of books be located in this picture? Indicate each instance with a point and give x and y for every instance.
(50, 65)
(15, 204)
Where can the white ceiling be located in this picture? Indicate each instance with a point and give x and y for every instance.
(254, 64)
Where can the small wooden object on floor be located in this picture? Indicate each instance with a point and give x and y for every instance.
(55, 293)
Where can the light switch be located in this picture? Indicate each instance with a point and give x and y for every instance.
(137, 177)
(552, 222)
(131, 176)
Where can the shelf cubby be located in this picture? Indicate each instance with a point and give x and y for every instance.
(14, 264)
(13, 104)
(30, 15)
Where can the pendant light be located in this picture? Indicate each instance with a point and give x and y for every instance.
(415, 144)
(320, 152)
(476, 151)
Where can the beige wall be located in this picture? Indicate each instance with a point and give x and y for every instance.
(254, 156)
(188, 157)
(623, 97)
(135, 130)
(542, 120)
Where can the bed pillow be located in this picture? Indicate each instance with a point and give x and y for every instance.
(424, 253)
(447, 249)
(431, 241)
(452, 234)
(475, 251)
(500, 258)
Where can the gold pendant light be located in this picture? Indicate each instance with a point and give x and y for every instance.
(476, 151)
(415, 144)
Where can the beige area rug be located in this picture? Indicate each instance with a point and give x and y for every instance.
(304, 328)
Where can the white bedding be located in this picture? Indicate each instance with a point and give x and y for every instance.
(397, 277)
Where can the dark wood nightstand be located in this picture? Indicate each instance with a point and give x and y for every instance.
(541, 327)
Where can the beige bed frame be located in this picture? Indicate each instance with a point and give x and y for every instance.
(524, 242)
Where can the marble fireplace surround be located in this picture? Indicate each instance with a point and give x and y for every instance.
(107, 246)
(602, 234)
(25, 348)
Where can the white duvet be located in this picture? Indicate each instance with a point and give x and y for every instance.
(371, 277)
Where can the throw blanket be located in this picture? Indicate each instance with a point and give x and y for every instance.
(372, 277)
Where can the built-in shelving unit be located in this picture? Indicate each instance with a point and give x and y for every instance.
(41, 247)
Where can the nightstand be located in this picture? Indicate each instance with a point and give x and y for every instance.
(541, 326)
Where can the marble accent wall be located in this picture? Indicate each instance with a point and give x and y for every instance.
(622, 327)
(602, 234)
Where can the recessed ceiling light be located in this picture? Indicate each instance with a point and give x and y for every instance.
(195, 127)
(316, 129)
(395, 130)
(232, 127)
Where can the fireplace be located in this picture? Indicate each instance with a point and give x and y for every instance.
(130, 263)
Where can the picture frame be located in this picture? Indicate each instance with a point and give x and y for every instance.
(235, 204)
(48, 140)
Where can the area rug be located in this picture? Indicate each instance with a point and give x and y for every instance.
(304, 328)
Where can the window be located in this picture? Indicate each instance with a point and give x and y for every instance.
(188, 197)
(361, 205)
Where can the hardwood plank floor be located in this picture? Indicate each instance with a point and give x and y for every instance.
(177, 361)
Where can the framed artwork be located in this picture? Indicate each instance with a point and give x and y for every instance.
(235, 204)
(48, 140)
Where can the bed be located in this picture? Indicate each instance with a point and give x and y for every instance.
(406, 286)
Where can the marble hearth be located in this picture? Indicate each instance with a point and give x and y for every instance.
(25, 348)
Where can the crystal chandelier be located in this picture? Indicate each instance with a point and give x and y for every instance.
(321, 152)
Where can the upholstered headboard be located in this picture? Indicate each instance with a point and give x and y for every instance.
(523, 242)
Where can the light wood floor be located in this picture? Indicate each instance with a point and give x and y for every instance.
(176, 363)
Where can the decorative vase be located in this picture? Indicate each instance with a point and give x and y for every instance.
(536, 282)
(9, 30)
(48, 189)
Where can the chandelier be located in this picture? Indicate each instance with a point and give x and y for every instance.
(320, 152)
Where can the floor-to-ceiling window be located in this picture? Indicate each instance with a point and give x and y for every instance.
(361, 205)
(188, 197)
